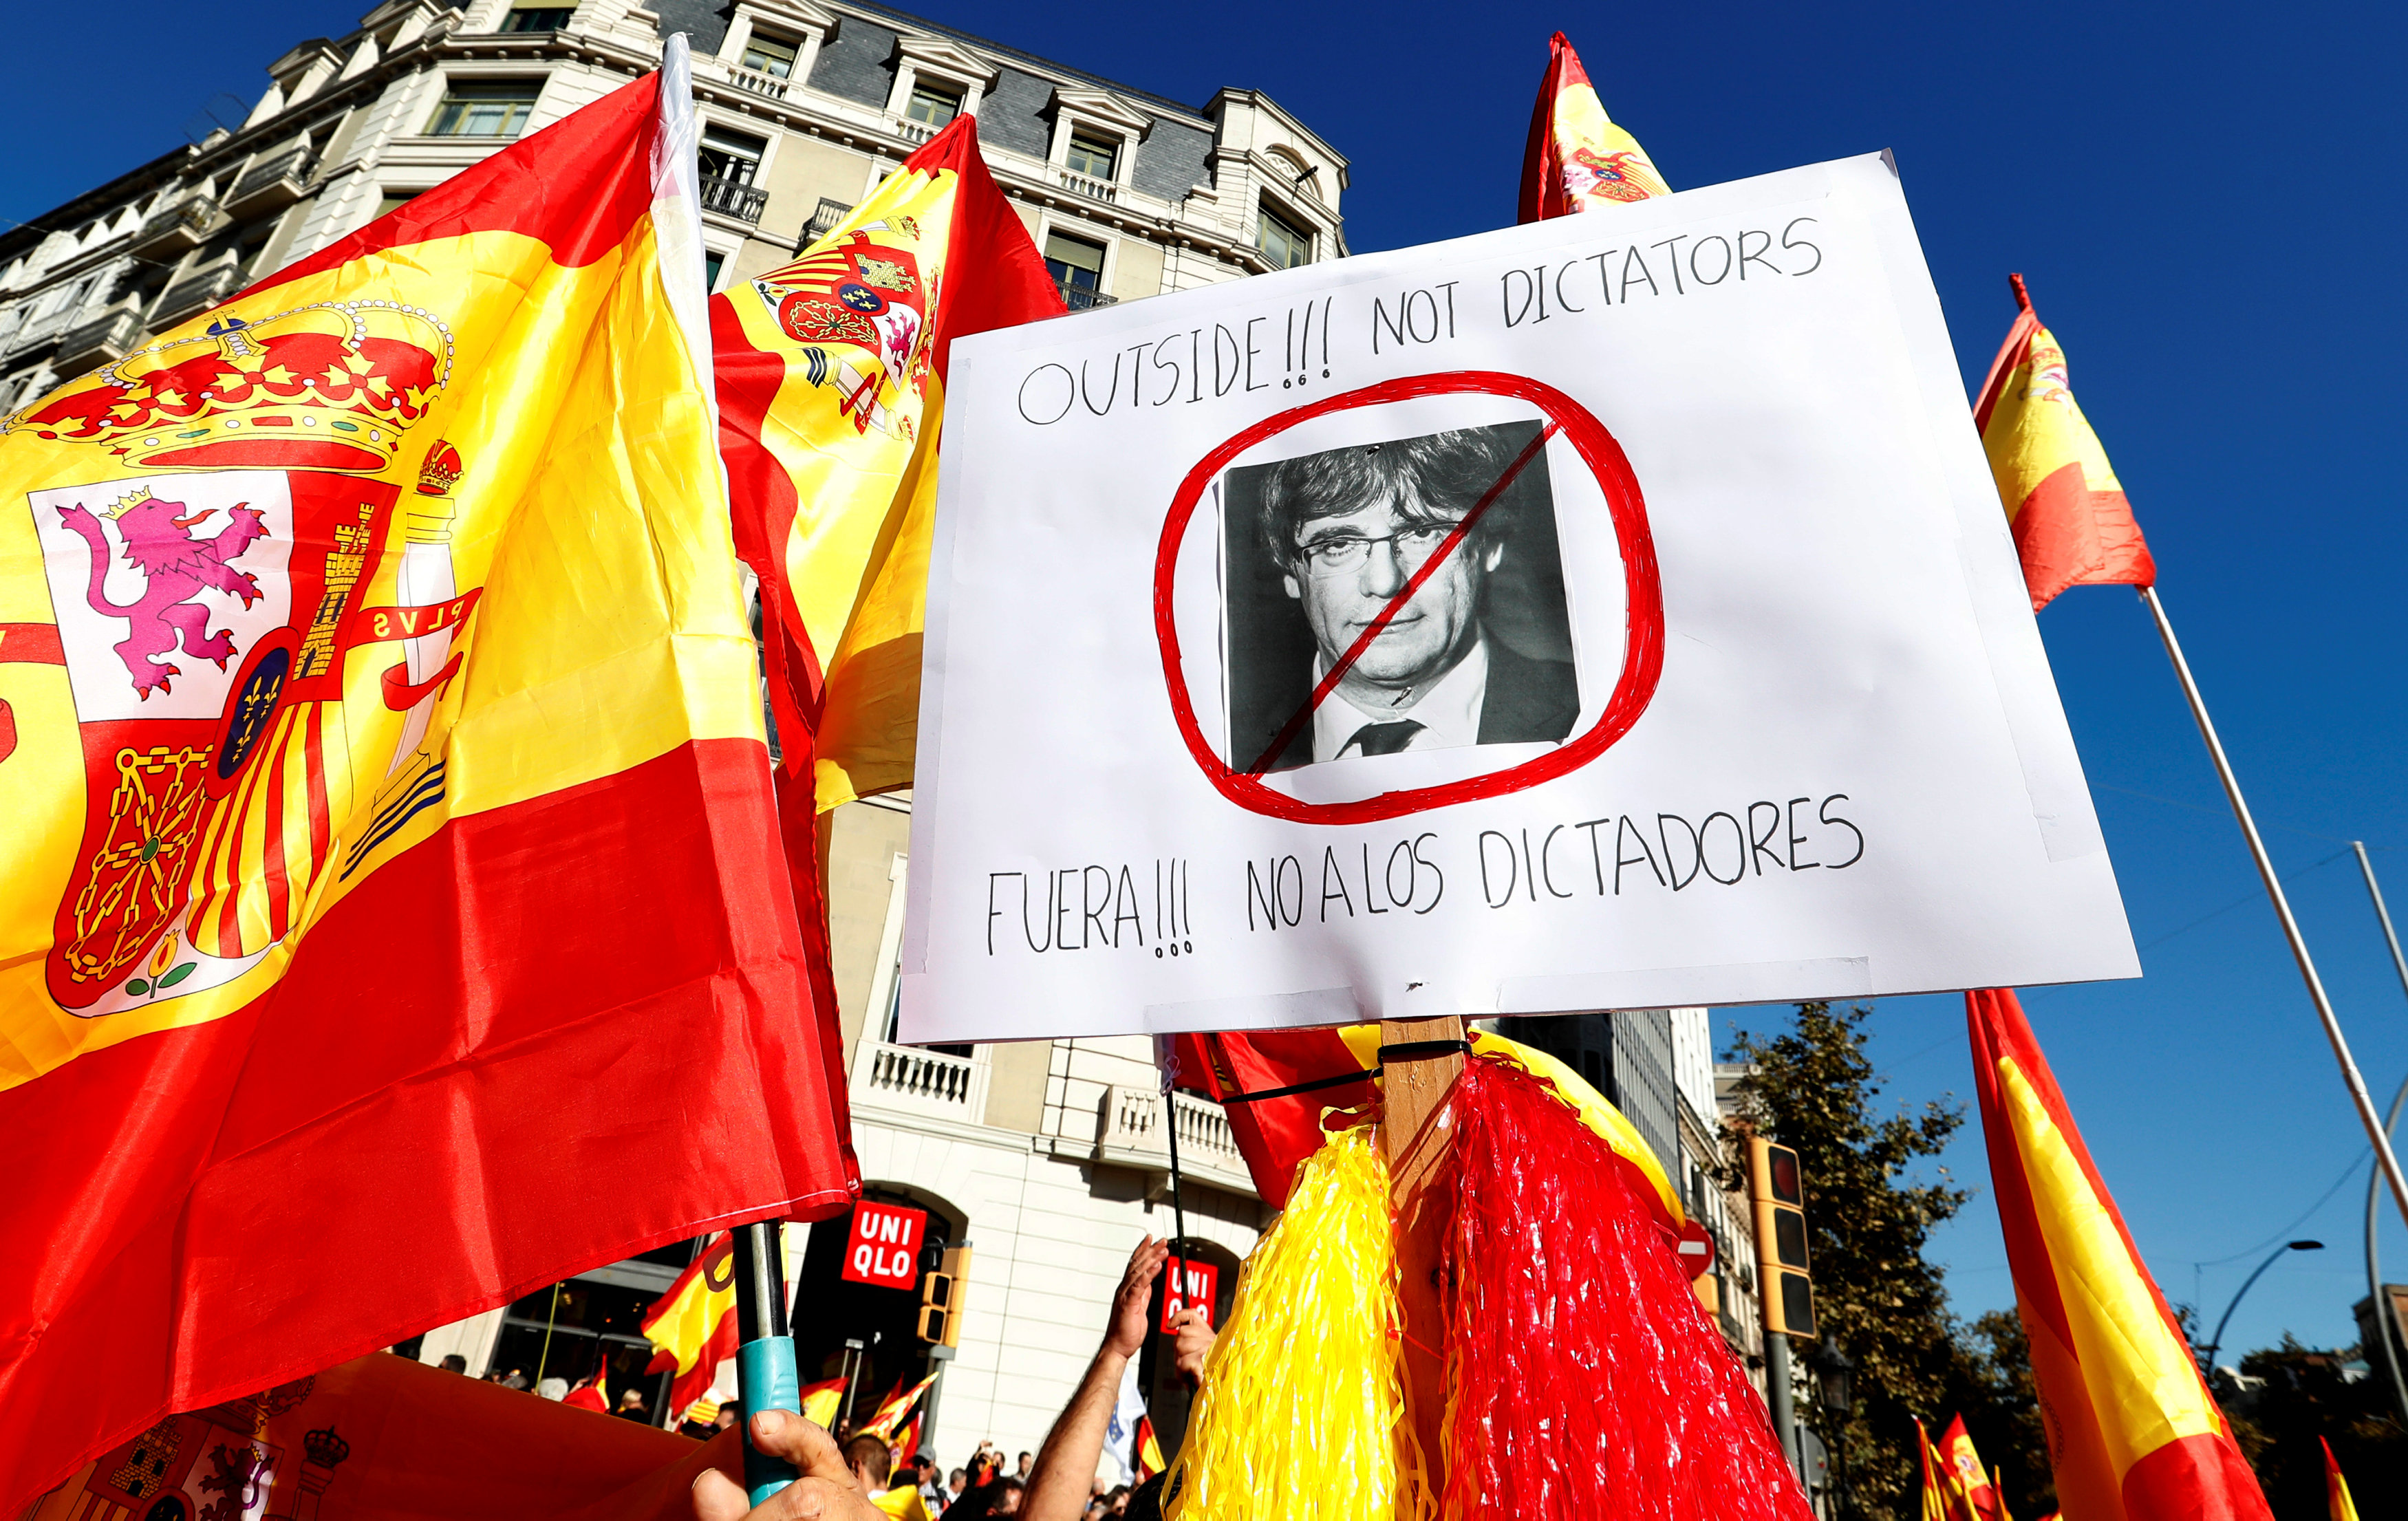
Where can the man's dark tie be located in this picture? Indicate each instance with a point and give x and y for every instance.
(1384, 739)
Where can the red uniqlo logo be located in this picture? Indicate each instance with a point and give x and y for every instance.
(1189, 1285)
(883, 1246)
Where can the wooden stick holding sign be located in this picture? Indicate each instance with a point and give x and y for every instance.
(1420, 1060)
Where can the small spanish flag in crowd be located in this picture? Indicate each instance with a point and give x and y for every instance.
(2337, 1501)
(1975, 1498)
(2071, 523)
(2133, 1433)
(1935, 1487)
(831, 387)
(390, 829)
(1577, 159)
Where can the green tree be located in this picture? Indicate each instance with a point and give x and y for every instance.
(1868, 1217)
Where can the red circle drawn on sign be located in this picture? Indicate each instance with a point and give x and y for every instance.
(1642, 660)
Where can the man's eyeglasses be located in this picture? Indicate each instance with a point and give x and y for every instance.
(1343, 555)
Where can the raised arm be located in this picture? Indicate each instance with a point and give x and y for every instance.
(1064, 1477)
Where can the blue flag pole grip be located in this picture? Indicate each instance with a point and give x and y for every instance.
(766, 1378)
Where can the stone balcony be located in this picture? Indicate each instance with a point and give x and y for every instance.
(178, 229)
(196, 293)
(733, 198)
(910, 1080)
(1130, 1132)
(273, 183)
(104, 339)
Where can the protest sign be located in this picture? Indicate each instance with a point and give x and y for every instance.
(1607, 612)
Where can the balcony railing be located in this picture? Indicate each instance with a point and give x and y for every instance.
(276, 181)
(733, 198)
(1131, 1125)
(179, 228)
(911, 131)
(825, 220)
(194, 292)
(920, 1082)
(754, 82)
(1082, 297)
(1098, 190)
(106, 338)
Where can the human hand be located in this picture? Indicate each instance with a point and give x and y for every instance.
(1193, 1345)
(826, 1491)
(1125, 1333)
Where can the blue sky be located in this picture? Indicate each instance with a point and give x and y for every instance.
(2205, 200)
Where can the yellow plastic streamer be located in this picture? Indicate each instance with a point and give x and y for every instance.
(1299, 1412)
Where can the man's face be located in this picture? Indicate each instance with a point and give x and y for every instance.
(1347, 568)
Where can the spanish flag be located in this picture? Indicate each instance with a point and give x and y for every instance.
(1936, 1503)
(1577, 159)
(2337, 1501)
(831, 375)
(889, 1415)
(1977, 1498)
(2072, 525)
(693, 1328)
(393, 906)
(2133, 1433)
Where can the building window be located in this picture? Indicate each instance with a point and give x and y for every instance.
(1077, 267)
(730, 156)
(395, 200)
(931, 105)
(485, 108)
(712, 264)
(539, 19)
(1094, 159)
(773, 56)
(1284, 243)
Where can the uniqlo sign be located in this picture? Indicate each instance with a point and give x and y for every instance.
(883, 1246)
(1189, 1285)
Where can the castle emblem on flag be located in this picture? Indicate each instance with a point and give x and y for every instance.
(206, 583)
(864, 296)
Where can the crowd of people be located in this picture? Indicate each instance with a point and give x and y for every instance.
(851, 1477)
(858, 1479)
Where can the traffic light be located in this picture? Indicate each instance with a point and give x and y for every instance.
(1779, 1193)
(941, 1291)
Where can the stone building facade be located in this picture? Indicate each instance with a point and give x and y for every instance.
(805, 108)
(1049, 1158)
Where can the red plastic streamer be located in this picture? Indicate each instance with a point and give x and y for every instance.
(1584, 1377)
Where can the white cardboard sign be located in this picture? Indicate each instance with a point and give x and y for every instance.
(1610, 612)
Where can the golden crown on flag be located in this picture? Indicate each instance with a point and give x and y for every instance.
(329, 386)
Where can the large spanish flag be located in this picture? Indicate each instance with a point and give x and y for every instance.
(2071, 523)
(2133, 1433)
(832, 391)
(1577, 160)
(393, 919)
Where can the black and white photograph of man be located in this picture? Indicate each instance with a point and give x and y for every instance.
(1318, 545)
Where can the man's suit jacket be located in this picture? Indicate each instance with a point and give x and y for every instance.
(1526, 700)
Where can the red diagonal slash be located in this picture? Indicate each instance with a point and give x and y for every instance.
(1345, 663)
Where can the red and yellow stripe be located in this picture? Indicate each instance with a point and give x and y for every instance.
(2134, 1434)
(2071, 523)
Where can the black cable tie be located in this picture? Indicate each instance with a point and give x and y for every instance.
(1314, 1086)
(1412, 1050)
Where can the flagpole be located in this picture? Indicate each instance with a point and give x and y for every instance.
(764, 1350)
(2384, 1157)
(2375, 1296)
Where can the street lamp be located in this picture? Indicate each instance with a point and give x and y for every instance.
(2207, 1359)
(1836, 1371)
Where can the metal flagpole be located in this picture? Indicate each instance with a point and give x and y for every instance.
(2384, 1159)
(2375, 1296)
(765, 1350)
